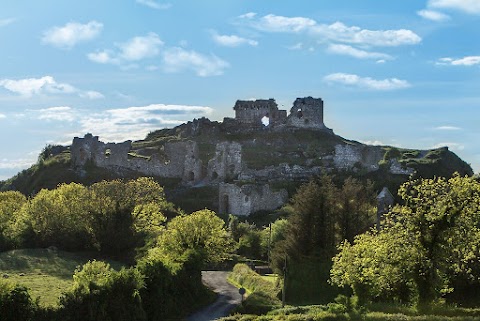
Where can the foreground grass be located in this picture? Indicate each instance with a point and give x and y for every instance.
(47, 274)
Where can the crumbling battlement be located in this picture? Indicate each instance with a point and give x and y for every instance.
(306, 112)
(179, 159)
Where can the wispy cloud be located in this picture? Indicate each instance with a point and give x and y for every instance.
(447, 128)
(274, 23)
(6, 163)
(6, 22)
(451, 145)
(28, 87)
(335, 32)
(154, 4)
(135, 49)
(3, 116)
(433, 15)
(178, 59)
(136, 122)
(465, 61)
(366, 82)
(69, 35)
(232, 40)
(62, 114)
(357, 53)
(468, 6)
(340, 32)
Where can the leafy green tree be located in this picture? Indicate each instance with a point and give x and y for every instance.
(202, 231)
(11, 203)
(430, 241)
(60, 217)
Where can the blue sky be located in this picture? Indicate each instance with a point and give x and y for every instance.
(402, 73)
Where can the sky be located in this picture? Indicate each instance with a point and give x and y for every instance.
(400, 73)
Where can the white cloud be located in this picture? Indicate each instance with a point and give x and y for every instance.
(6, 22)
(2, 116)
(6, 163)
(366, 82)
(178, 59)
(451, 145)
(248, 15)
(43, 86)
(72, 33)
(155, 5)
(232, 40)
(468, 6)
(447, 128)
(30, 86)
(433, 15)
(297, 46)
(139, 48)
(465, 61)
(136, 122)
(373, 142)
(135, 49)
(91, 94)
(62, 114)
(336, 32)
(357, 53)
(340, 32)
(274, 23)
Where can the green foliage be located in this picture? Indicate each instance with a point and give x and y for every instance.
(425, 246)
(172, 289)
(10, 206)
(202, 231)
(263, 295)
(322, 216)
(100, 293)
(16, 303)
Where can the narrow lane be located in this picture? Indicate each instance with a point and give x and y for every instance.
(228, 297)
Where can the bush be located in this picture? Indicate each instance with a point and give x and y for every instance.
(16, 303)
(100, 293)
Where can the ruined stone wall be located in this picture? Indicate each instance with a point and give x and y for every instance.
(252, 111)
(307, 113)
(347, 157)
(227, 162)
(180, 159)
(248, 199)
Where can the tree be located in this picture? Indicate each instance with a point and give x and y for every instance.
(10, 205)
(433, 238)
(202, 231)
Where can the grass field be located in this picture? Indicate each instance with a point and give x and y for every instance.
(47, 274)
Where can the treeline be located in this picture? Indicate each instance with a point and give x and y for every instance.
(111, 217)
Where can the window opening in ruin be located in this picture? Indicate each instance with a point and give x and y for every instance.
(108, 152)
(299, 113)
(191, 176)
(214, 175)
(246, 198)
(225, 203)
(265, 121)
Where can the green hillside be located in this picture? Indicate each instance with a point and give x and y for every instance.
(46, 273)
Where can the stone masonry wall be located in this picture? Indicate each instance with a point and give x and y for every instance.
(248, 199)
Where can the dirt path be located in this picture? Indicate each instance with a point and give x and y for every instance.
(227, 299)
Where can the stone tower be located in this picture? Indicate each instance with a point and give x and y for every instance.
(385, 201)
(307, 113)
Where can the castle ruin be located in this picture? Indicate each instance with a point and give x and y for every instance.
(203, 153)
